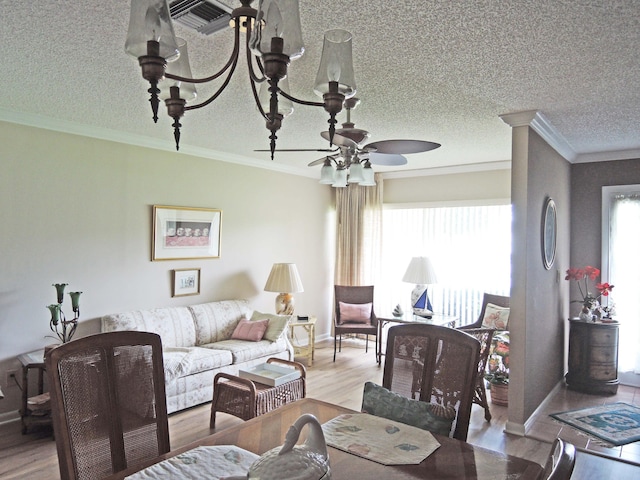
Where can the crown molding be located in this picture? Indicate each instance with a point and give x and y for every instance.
(74, 128)
(450, 170)
(539, 123)
(631, 154)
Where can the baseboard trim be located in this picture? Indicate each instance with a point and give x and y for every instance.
(520, 429)
(9, 417)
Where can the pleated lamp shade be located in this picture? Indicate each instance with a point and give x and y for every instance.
(285, 280)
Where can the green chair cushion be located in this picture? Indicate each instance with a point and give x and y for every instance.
(381, 402)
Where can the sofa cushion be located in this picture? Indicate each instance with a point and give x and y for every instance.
(277, 324)
(250, 331)
(180, 362)
(173, 324)
(243, 351)
(215, 321)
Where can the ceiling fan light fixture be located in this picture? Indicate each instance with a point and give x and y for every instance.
(368, 175)
(356, 172)
(327, 173)
(340, 178)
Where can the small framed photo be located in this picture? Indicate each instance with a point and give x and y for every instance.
(185, 233)
(186, 281)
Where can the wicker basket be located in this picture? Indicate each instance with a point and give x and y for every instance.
(500, 394)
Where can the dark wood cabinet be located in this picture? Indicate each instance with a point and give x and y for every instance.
(593, 357)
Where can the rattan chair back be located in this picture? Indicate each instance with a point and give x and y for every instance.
(108, 403)
(433, 364)
(484, 336)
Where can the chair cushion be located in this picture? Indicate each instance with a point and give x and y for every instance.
(355, 312)
(251, 331)
(277, 324)
(495, 317)
(381, 402)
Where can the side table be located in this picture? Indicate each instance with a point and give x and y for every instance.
(593, 357)
(246, 399)
(301, 350)
(33, 414)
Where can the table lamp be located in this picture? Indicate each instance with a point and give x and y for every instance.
(284, 279)
(421, 272)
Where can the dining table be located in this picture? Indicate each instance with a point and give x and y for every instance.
(453, 459)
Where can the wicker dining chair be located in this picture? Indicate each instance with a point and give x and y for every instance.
(108, 403)
(351, 295)
(433, 364)
(484, 336)
(560, 462)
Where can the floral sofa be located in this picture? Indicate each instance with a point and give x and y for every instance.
(197, 344)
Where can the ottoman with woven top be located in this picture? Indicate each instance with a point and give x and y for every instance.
(246, 399)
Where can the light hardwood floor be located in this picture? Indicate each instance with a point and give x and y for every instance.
(34, 456)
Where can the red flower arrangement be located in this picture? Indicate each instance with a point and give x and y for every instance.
(590, 302)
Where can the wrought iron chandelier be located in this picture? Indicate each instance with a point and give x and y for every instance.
(273, 38)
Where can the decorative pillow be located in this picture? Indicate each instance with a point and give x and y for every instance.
(252, 331)
(495, 317)
(381, 402)
(277, 324)
(357, 313)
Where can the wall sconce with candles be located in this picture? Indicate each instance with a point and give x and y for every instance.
(63, 328)
(284, 279)
(273, 39)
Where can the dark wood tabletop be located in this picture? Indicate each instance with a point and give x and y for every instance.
(454, 459)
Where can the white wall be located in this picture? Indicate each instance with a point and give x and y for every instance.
(79, 210)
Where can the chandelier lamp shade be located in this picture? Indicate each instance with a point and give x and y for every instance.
(285, 280)
(273, 39)
(421, 273)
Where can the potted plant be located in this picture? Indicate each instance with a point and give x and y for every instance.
(498, 371)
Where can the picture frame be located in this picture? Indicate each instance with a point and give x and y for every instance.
(186, 281)
(549, 233)
(185, 233)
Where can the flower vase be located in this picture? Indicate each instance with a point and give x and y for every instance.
(586, 315)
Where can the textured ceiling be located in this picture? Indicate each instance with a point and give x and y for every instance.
(432, 70)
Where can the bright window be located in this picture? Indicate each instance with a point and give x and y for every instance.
(469, 246)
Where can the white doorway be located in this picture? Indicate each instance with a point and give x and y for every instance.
(621, 267)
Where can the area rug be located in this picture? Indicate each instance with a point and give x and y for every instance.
(616, 423)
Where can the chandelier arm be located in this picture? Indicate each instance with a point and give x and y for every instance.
(233, 59)
(251, 58)
(219, 91)
(299, 101)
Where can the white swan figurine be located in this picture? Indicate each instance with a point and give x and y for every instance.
(309, 461)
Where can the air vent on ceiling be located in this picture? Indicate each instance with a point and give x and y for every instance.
(204, 16)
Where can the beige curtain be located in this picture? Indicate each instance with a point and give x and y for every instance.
(358, 232)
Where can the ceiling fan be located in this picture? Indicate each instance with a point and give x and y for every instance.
(350, 154)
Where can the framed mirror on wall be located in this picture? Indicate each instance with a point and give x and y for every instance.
(549, 232)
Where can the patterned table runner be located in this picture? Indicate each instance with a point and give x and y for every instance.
(378, 439)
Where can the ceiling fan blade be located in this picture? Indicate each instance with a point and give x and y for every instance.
(402, 146)
(388, 159)
(356, 134)
(320, 161)
(339, 140)
(328, 150)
